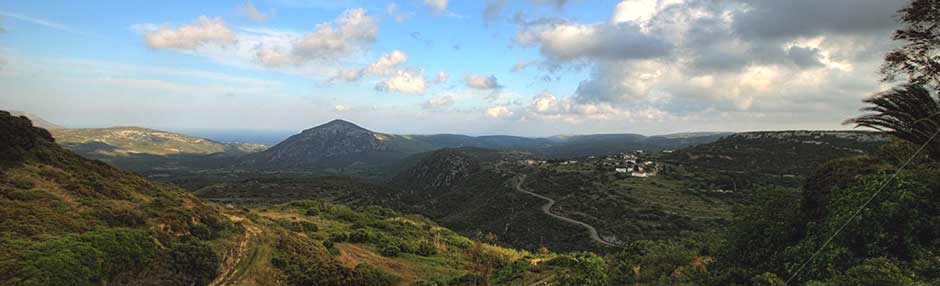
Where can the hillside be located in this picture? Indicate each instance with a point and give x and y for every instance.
(124, 141)
(73, 221)
(466, 190)
(795, 153)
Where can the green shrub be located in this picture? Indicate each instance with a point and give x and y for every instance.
(195, 261)
(588, 269)
(367, 275)
(65, 261)
(339, 237)
(425, 248)
(390, 249)
(359, 236)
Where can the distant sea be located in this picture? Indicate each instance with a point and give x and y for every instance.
(267, 137)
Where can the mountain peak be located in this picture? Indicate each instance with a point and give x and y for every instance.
(337, 124)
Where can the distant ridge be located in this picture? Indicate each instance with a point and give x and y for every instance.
(340, 144)
(37, 121)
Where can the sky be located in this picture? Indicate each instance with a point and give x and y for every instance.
(518, 67)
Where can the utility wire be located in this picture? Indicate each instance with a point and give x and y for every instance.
(860, 209)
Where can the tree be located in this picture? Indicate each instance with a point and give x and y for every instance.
(909, 112)
(919, 57)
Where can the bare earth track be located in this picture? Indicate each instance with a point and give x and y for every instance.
(547, 209)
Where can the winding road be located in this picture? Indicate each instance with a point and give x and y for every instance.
(547, 209)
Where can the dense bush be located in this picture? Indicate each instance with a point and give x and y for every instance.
(582, 268)
(91, 258)
(390, 248)
(304, 262)
(195, 261)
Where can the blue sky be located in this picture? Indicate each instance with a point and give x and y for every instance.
(527, 67)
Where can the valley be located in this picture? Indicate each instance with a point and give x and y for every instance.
(470, 143)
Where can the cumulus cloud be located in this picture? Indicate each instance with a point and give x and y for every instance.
(351, 33)
(481, 82)
(561, 40)
(249, 11)
(202, 31)
(342, 108)
(436, 5)
(656, 59)
(385, 66)
(807, 18)
(403, 82)
(499, 111)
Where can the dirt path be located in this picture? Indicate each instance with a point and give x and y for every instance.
(547, 209)
(230, 264)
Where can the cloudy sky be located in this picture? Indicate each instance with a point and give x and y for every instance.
(522, 67)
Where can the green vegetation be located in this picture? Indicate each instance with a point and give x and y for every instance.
(72, 221)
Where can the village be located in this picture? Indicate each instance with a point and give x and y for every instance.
(632, 164)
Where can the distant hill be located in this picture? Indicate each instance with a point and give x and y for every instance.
(117, 141)
(567, 146)
(779, 152)
(37, 121)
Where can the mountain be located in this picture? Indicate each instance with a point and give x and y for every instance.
(36, 120)
(336, 144)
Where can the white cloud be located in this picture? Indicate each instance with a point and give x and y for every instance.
(669, 59)
(342, 108)
(248, 10)
(499, 111)
(482, 82)
(202, 31)
(403, 82)
(436, 5)
(640, 11)
(384, 66)
(352, 30)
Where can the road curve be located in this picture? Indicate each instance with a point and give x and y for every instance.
(547, 209)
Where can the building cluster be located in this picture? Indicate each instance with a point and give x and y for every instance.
(630, 163)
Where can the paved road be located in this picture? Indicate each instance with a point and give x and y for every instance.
(547, 209)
